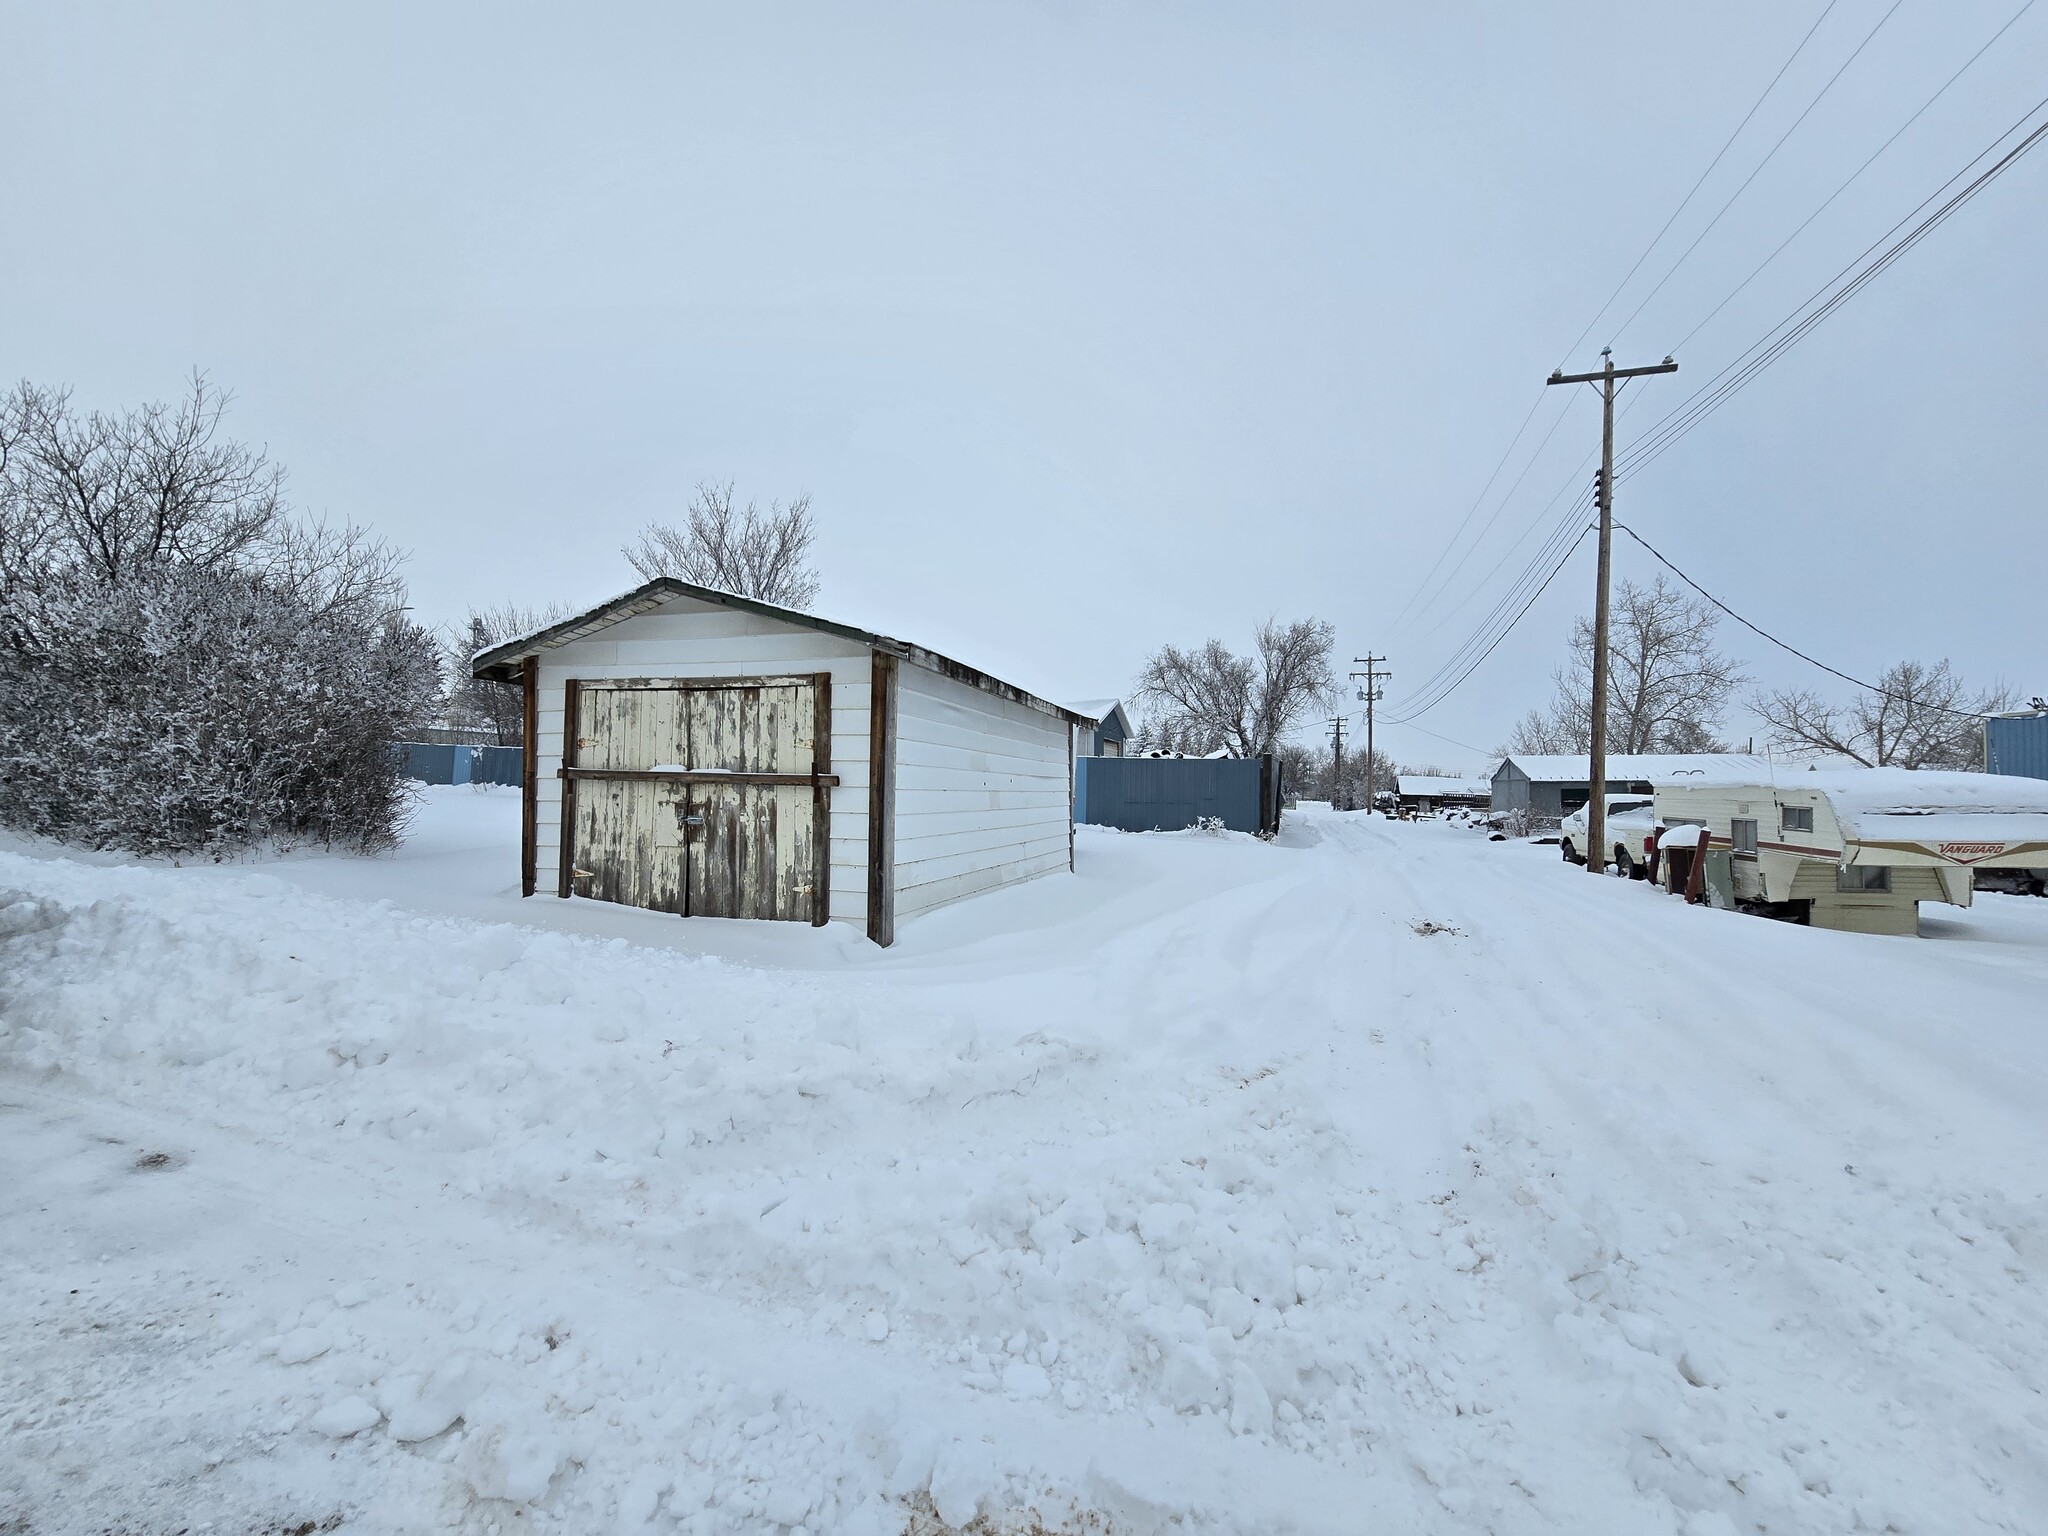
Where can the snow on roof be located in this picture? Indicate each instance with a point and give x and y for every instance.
(1904, 805)
(1434, 784)
(1649, 767)
(1097, 710)
(1921, 805)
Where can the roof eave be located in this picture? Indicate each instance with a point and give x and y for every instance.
(501, 663)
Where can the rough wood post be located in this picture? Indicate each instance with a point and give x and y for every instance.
(529, 781)
(565, 835)
(882, 800)
(821, 802)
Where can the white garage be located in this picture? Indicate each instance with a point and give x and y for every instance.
(695, 752)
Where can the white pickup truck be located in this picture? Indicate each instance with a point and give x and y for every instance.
(1632, 828)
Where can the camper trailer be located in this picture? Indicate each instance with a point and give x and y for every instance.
(1861, 848)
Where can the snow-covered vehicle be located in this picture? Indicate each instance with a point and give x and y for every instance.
(1861, 848)
(1632, 828)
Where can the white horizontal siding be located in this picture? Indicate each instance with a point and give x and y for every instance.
(914, 802)
(688, 639)
(987, 877)
(981, 792)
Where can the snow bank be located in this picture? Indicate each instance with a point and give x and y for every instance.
(1214, 1199)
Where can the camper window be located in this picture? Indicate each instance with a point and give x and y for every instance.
(1795, 818)
(1742, 833)
(1863, 877)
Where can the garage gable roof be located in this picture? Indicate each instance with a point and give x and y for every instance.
(1641, 767)
(500, 662)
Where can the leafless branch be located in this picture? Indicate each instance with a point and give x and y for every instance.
(1921, 716)
(764, 555)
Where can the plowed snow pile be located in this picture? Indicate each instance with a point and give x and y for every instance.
(1383, 1179)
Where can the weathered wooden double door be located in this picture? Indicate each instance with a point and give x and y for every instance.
(709, 799)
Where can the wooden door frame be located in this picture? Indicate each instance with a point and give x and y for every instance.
(529, 780)
(821, 778)
(882, 799)
(565, 831)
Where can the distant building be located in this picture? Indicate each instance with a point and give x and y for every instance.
(1430, 792)
(1551, 788)
(1112, 727)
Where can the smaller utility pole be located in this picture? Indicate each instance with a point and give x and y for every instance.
(1337, 775)
(1371, 694)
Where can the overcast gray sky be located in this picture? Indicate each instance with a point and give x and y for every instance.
(1086, 328)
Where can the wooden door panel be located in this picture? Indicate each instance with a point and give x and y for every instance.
(755, 854)
(626, 833)
(604, 862)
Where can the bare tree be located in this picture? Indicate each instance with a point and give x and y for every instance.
(474, 702)
(1922, 717)
(1553, 732)
(1668, 683)
(1346, 791)
(334, 571)
(114, 496)
(1209, 698)
(757, 554)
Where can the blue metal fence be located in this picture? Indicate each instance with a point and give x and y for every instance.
(2017, 745)
(440, 763)
(1165, 794)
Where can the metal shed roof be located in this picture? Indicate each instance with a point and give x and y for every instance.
(1642, 767)
(1437, 784)
(500, 662)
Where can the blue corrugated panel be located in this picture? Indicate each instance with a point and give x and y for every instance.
(429, 762)
(1165, 794)
(497, 765)
(2018, 746)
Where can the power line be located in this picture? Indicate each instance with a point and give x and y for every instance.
(1544, 551)
(1434, 689)
(1473, 548)
(1450, 741)
(1882, 693)
(1718, 390)
(1556, 496)
(1417, 714)
(1795, 326)
(1477, 502)
(1768, 157)
(1421, 594)
(1918, 113)
(1686, 201)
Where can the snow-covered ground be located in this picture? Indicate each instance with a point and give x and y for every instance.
(1385, 1179)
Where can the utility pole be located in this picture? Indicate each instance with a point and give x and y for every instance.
(1608, 380)
(1370, 693)
(1337, 776)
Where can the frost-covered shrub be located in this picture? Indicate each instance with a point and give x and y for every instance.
(202, 711)
(183, 667)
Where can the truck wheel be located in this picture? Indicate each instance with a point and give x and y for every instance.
(1570, 855)
(1625, 866)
